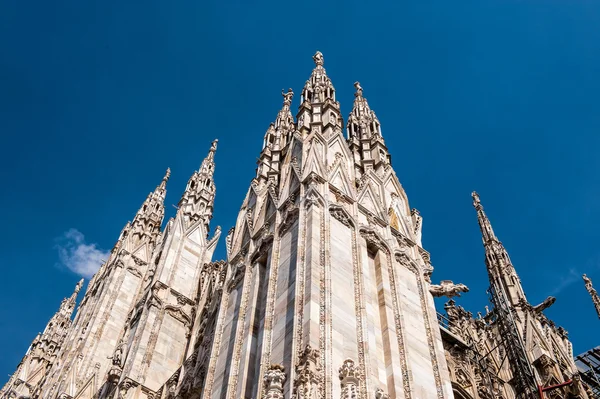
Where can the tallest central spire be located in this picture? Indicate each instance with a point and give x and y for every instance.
(318, 87)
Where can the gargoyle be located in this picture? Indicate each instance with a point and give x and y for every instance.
(544, 305)
(448, 289)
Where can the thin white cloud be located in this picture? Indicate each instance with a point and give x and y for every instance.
(566, 281)
(79, 257)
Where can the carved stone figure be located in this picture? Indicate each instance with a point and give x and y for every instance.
(117, 357)
(349, 378)
(448, 289)
(274, 379)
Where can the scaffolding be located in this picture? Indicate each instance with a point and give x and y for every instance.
(588, 364)
(523, 377)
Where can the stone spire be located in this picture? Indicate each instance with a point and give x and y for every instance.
(319, 111)
(593, 293)
(318, 88)
(149, 217)
(362, 122)
(197, 202)
(364, 136)
(277, 136)
(68, 304)
(34, 368)
(497, 260)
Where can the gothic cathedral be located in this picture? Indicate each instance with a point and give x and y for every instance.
(326, 291)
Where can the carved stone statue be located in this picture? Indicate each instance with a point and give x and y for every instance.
(349, 378)
(593, 293)
(274, 379)
(380, 394)
(359, 89)
(588, 282)
(448, 289)
(318, 58)
(287, 97)
(117, 357)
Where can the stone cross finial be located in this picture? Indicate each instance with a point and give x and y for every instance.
(318, 58)
(593, 293)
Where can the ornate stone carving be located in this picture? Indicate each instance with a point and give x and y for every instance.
(380, 394)
(339, 213)
(448, 289)
(308, 375)
(350, 376)
(237, 276)
(289, 217)
(371, 237)
(274, 379)
(117, 357)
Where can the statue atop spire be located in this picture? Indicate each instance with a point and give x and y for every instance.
(163, 184)
(68, 304)
(359, 89)
(287, 97)
(484, 223)
(318, 58)
(318, 87)
(213, 149)
(593, 293)
(476, 200)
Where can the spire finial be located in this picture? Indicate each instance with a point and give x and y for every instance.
(78, 286)
(318, 58)
(476, 200)
(287, 97)
(213, 149)
(163, 184)
(592, 291)
(484, 223)
(359, 89)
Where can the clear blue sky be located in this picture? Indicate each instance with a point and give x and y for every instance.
(99, 98)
